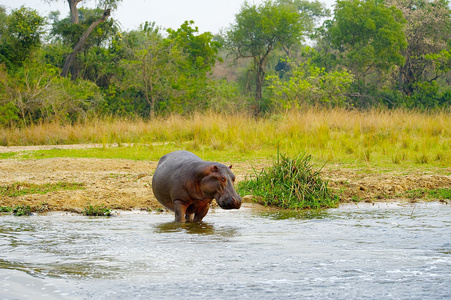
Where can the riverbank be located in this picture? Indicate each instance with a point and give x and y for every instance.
(126, 184)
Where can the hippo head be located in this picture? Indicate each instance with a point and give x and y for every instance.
(217, 183)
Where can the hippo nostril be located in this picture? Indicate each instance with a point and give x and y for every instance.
(236, 202)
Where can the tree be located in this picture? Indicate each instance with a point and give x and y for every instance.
(21, 36)
(310, 12)
(369, 37)
(108, 5)
(201, 50)
(151, 64)
(74, 15)
(310, 85)
(427, 32)
(196, 57)
(71, 57)
(168, 73)
(99, 55)
(258, 31)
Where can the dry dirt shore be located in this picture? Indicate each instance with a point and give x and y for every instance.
(126, 184)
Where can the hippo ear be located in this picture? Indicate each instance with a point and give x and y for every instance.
(214, 168)
(230, 167)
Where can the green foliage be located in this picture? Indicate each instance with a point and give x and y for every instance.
(372, 53)
(441, 62)
(21, 36)
(367, 38)
(427, 32)
(22, 210)
(428, 95)
(309, 85)
(22, 188)
(369, 34)
(310, 12)
(6, 209)
(19, 210)
(95, 62)
(54, 54)
(34, 92)
(201, 49)
(225, 96)
(262, 28)
(97, 210)
(167, 74)
(8, 114)
(290, 183)
(258, 31)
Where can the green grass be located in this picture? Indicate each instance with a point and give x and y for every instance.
(290, 183)
(97, 210)
(19, 210)
(7, 155)
(142, 152)
(22, 210)
(370, 139)
(6, 209)
(23, 188)
(440, 194)
(434, 194)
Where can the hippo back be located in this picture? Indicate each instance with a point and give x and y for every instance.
(169, 175)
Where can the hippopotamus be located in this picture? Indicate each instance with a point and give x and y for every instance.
(186, 185)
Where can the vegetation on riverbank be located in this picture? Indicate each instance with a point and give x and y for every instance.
(358, 99)
(277, 55)
(24, 188)
(362, 139)
(370, 144)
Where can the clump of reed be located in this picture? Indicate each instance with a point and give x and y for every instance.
(290, 183)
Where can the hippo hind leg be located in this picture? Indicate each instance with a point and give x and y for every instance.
(180, 211)
(189, 216)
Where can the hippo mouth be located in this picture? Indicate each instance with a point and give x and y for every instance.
(229, 203)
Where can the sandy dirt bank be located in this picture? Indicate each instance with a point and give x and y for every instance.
(126, 184)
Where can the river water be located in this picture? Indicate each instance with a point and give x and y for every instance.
(381, 251)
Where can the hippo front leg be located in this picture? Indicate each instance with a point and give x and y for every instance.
(200, 214)
(180, 210)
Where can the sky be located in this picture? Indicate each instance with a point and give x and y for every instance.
(208, 15)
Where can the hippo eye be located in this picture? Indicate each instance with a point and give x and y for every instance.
(223, 179)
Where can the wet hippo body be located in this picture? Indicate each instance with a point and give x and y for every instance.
(186, 184)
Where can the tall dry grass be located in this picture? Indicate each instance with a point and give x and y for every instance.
(388, 137)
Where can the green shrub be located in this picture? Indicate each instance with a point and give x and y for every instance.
(97, 210)
(290, 183)
(22, 210)
(8, 114)
(6, 209)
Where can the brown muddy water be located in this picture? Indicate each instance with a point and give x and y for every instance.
(380, 251)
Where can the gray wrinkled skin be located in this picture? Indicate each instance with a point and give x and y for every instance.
(186, 184)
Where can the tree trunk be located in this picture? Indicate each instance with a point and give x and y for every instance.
(70, 58)
(258, 89)
(73, 10)
(259, 81)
